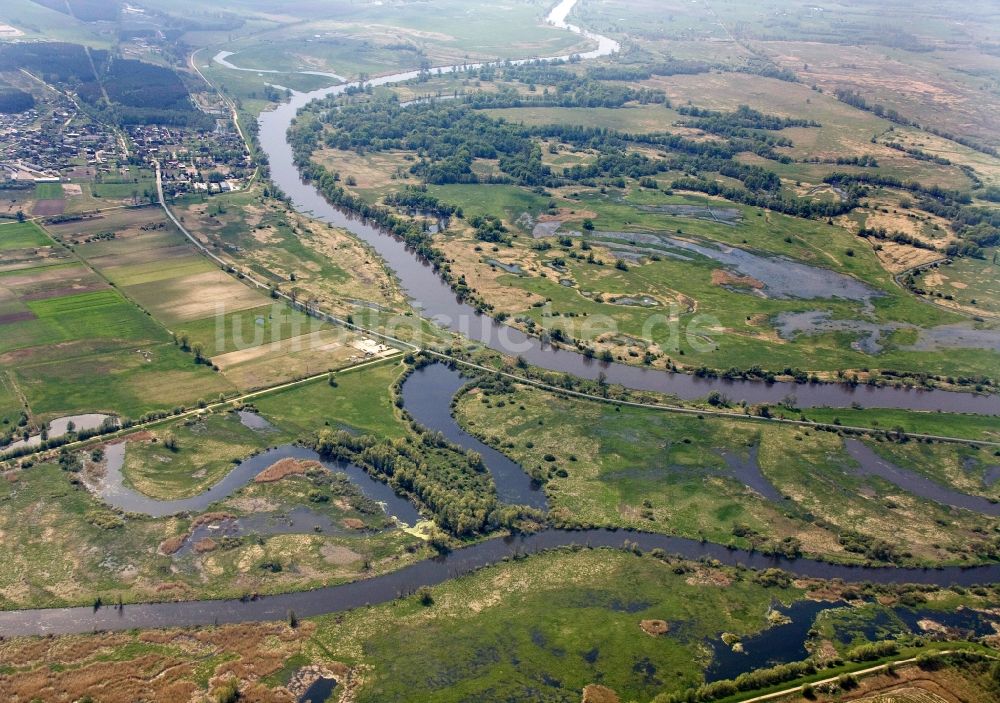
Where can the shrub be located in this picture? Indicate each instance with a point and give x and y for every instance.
(229, 692)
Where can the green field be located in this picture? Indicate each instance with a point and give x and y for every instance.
(75, 344)
(21, 235)
(964, 426)
(510, 631)
(46, 191)
(361, 402)
(125, 382)
(206, 450)
(636, 119)
(968, 280)
(99, 315)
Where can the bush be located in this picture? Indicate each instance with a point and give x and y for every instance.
(229, 692)
(872, 651)
(425, 596)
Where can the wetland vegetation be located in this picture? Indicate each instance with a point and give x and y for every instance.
(760, 197)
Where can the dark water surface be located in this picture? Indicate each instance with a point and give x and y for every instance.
(871, 464)
(427, 395)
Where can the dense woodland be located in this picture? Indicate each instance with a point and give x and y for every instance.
(452, 483)
(139, 92)
(13, 100)
(449, 135)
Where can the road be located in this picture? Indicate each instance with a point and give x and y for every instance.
(797, 689)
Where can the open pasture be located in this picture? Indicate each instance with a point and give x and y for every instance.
(318, 262)
(361, 403)
(920, 86)
(13, 201)
(973, 284)
(635, 119)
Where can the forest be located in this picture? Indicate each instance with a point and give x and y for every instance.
(13, 100)
(140, 92)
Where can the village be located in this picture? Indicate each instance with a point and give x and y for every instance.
(55, 158)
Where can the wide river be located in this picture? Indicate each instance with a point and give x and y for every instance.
(435, 298)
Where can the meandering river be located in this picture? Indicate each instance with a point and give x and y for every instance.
(437, 301)
(512, 484)
(432, 572)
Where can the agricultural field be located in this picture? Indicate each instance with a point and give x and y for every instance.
(119, 307)
(74, 343)
(253, 340)
(83, 195)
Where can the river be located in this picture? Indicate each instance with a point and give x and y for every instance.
(431, 572)
(440, 303)
(434, 297)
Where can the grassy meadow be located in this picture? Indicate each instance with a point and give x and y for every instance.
(632, 467)
(92, 551)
